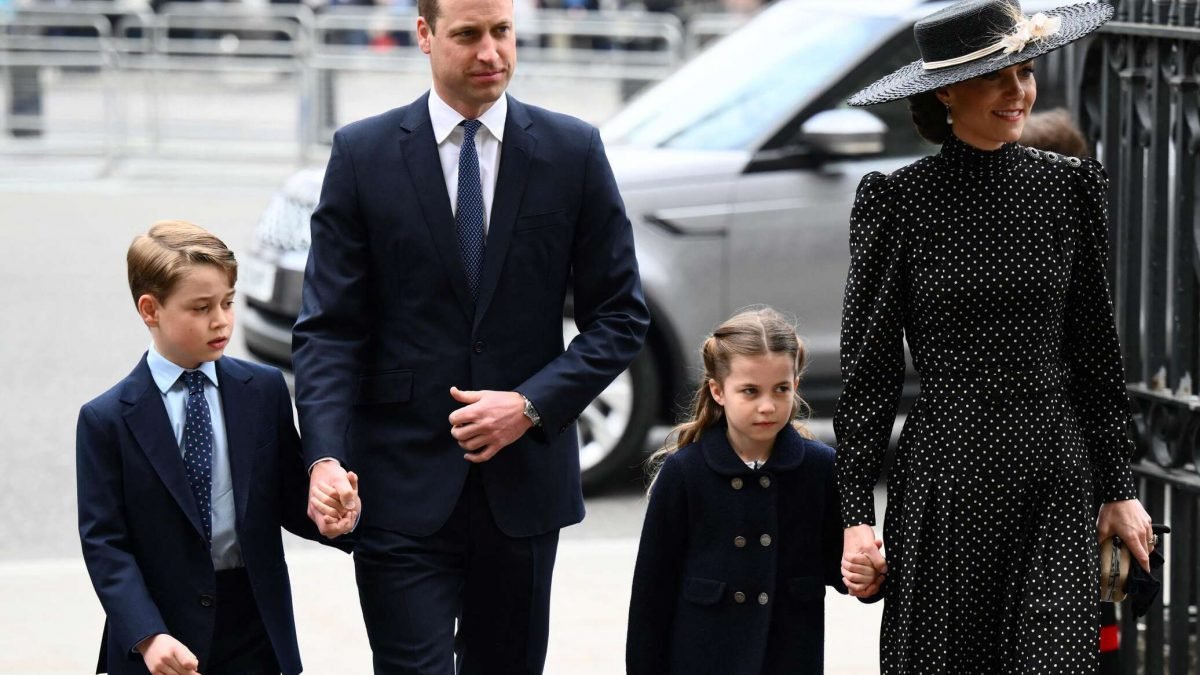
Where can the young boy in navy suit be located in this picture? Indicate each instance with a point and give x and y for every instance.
(186, 469)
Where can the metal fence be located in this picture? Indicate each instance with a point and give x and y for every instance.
(1141, 106)
(156, 81)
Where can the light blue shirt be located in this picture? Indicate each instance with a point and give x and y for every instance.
(226, 552)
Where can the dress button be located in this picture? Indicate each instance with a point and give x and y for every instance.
(764, 481)
(762, 598)
(765, 540)
(206, 601)
(739, 541)
(736, 483)
(739, 597)
(478, 347)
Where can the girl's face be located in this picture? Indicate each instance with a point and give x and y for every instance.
(990, 110)
(757, 396)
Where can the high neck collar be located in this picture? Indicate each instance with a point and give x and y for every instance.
(958, 152)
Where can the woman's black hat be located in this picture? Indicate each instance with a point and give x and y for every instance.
(976, 37)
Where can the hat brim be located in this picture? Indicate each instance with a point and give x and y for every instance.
(1077, 21)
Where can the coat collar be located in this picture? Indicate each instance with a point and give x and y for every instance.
(787, 454)
(241, 417)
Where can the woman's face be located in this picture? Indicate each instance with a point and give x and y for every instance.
(990, 110)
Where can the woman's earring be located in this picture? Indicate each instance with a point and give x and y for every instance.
(949, 119)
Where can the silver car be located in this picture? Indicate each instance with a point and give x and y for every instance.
(738, 173)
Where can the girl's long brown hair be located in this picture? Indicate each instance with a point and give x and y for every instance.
(752, 332)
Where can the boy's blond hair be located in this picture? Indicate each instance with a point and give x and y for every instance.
(158, 259)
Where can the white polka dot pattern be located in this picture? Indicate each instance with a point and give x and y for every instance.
(198, 447)
(992, 266)
(469, 208)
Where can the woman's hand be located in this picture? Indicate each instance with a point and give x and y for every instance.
(1129, 521)
(860, 548)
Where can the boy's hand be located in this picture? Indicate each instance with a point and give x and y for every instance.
(164, 655)
(335, 522)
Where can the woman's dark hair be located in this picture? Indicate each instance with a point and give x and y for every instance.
(929, 117)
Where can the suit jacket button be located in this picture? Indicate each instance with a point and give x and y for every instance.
(739, 597)
(736, 483)
(765, 540)
(739, 541)
(478, 347)
(206, 601)
(762, 598)
(764, 481)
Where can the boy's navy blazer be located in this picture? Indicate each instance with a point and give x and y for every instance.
(733, 562)
(388, 323)
(140, 527)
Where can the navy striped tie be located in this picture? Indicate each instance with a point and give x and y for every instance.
(469, 214)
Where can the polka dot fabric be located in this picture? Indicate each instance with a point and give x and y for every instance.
(992, 266)
(198, 447)
(469, 211)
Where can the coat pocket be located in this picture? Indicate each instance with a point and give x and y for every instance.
(806, 589)
(393, 386)
(538, 221)
(703, 591)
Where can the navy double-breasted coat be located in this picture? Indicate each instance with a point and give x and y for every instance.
(733, 562)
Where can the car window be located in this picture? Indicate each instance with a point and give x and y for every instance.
(747, 85)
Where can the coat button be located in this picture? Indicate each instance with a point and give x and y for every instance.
(478, 347)
(762, 598)
(739, 541)
(765, 540)
(764, 481)
(206, 601)
(736, 483)
(739, 597)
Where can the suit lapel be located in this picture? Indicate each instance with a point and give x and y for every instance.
(515, 154)
(239, 411)
(147, 420)
(419, 149)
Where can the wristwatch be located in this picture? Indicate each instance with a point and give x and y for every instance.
(531, 412)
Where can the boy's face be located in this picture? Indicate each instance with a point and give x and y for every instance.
(195, 321)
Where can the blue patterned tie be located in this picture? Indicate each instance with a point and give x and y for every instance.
(198, 448)
(469, 214)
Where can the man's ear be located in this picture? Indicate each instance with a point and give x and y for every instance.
(424, 33)
(148, 309)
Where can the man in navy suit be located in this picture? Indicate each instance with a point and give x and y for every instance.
(186, 469)
(429, 353)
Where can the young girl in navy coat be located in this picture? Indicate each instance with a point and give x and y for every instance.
(743, 531)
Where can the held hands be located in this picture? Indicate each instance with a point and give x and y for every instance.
(863, 566)
(489, 421)
(1129, 521)
(164, 655)
(333, 498)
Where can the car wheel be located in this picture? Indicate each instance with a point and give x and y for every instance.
(612, 430)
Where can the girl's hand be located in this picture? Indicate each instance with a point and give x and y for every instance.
(860, 547)
(1129, 521)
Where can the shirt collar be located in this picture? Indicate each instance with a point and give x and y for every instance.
(166, 373)
(445, 119)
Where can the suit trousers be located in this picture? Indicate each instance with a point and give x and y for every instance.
(240, 645)
(467, 599)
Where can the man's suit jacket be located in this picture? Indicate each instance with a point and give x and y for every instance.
(142, 538)
(388, 324)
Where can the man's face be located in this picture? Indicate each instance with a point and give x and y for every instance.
(473, 53)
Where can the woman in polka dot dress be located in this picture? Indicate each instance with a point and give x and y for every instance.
(989, 258)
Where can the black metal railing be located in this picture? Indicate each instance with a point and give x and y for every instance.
(1140, 106)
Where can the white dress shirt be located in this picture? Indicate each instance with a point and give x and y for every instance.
(226, 552)
(488, 139)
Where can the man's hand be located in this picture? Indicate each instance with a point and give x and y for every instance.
(332, 498)
(860, 548)
(1128, 520)
(489, 421)
(164, 655)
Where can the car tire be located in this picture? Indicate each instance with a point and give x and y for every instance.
(612, 429)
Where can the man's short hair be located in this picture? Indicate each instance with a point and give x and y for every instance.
(429, 10)
(158, 259)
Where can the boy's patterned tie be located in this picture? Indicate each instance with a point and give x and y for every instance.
(198, 447)
(469, 214)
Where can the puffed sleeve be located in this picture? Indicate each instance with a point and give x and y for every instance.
(872, 347)
(1093, 354)
(657, 574)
